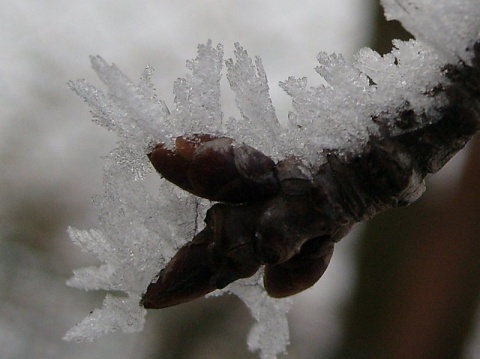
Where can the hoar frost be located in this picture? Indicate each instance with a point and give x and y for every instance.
(138, 233)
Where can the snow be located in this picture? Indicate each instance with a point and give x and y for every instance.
(447, 26)
(139, 233)
(117, 313)
(197, 97)
(269, 334)
(259, 126)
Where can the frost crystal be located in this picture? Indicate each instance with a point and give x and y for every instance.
(447, 26)
(138, 233)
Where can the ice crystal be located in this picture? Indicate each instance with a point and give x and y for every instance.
(138, 233)
(447, 26)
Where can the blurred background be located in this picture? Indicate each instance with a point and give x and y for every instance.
(403, 286)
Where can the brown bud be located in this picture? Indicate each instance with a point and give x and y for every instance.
(186, 277)
(301, 271)
(216, 168)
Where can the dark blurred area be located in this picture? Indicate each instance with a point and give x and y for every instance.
(418, 269)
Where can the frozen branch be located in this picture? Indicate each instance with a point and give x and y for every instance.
(358, 146)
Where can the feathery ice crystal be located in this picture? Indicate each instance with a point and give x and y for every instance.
(139, 234)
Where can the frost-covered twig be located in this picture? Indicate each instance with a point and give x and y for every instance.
(379, 127)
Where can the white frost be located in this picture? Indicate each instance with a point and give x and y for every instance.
(270, 334)
(259, 126)
(117, 313)
(139, 233)
(447, 26)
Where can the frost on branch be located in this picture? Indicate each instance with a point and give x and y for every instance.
(448, 27)
(138, 234)
(367, 107)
